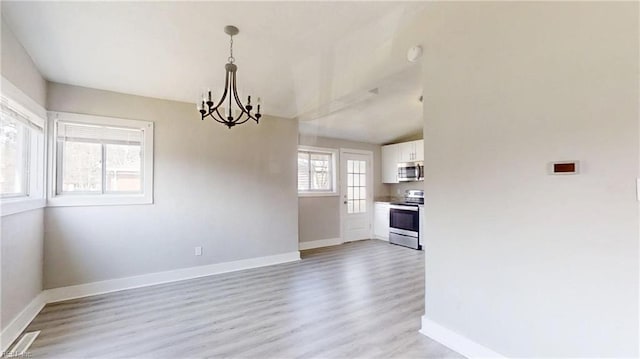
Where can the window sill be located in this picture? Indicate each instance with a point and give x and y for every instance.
(318, 194)
(14, 206)
(100, 200)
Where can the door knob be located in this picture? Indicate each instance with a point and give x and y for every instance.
(345, 202)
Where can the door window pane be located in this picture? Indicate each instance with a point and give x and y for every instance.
(356, 186)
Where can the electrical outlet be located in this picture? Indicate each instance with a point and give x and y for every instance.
(198, 251)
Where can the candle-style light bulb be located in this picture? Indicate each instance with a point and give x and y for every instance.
(209, 91)
(201, 109)
(249, 100)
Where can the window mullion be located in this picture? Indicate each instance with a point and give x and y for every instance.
(59, 163)
(103, 167)
(309, 183)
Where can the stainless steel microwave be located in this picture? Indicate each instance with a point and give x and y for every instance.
(410, 171)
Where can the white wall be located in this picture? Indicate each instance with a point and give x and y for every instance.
(21, 234)
(319, 217)
(231, 191)
(518, 261)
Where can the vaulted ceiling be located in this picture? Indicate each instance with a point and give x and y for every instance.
(320, 61)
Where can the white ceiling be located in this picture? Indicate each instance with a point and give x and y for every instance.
(300, 57)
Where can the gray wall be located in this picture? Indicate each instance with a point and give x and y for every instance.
(522, 262)
(21, 233)
(233, 192)
(319, 217)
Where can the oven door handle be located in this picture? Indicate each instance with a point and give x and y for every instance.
(404, 208)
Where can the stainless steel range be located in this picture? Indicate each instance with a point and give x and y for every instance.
(404, 220)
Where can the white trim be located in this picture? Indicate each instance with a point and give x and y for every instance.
(343, 188)
(13, 92)
(375, 236)
(21, 322)
(455, 341)
(56, 200)
(335, 170)
(36, 170)
(320, 243)
(145, 280)
(9, 207)
(318, 194)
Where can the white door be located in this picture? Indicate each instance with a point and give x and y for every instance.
(356, 182)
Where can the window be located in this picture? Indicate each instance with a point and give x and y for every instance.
(21, 156)
(14, 165)
(316, 171)
(102, 160)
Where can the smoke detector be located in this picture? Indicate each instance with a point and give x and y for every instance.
(414, 53)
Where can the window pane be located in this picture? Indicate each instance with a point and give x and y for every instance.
(123, 168)
(315, 171)
(14, 154)
(303, 171)
(81, 167)
(321, 179)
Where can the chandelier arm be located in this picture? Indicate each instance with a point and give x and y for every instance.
(238, 102)
(213, 117)
(221, 118)
(224, 94)
(247, 118)
(238, 122)
(212, 114)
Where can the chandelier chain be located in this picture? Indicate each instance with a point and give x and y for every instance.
(231, 59)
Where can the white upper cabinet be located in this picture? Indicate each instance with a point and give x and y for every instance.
(390, 159)
(411, 151)
(399, 152)
(407, 151)
(419, 150)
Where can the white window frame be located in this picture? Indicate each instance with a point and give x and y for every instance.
(36, 114)
(334, 165)
(106, 199)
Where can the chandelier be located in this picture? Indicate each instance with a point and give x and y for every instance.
(230, 95)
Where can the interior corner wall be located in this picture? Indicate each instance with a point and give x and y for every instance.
(519, 261)
(233, 192)
(21, 234)
(319, 217)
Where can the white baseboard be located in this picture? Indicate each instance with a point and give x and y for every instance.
(320, 243)
(455, 341)
(381, 238)
(20, 322)
(13, 330)
(145, 280)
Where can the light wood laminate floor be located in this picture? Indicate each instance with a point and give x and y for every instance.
(361, 299)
